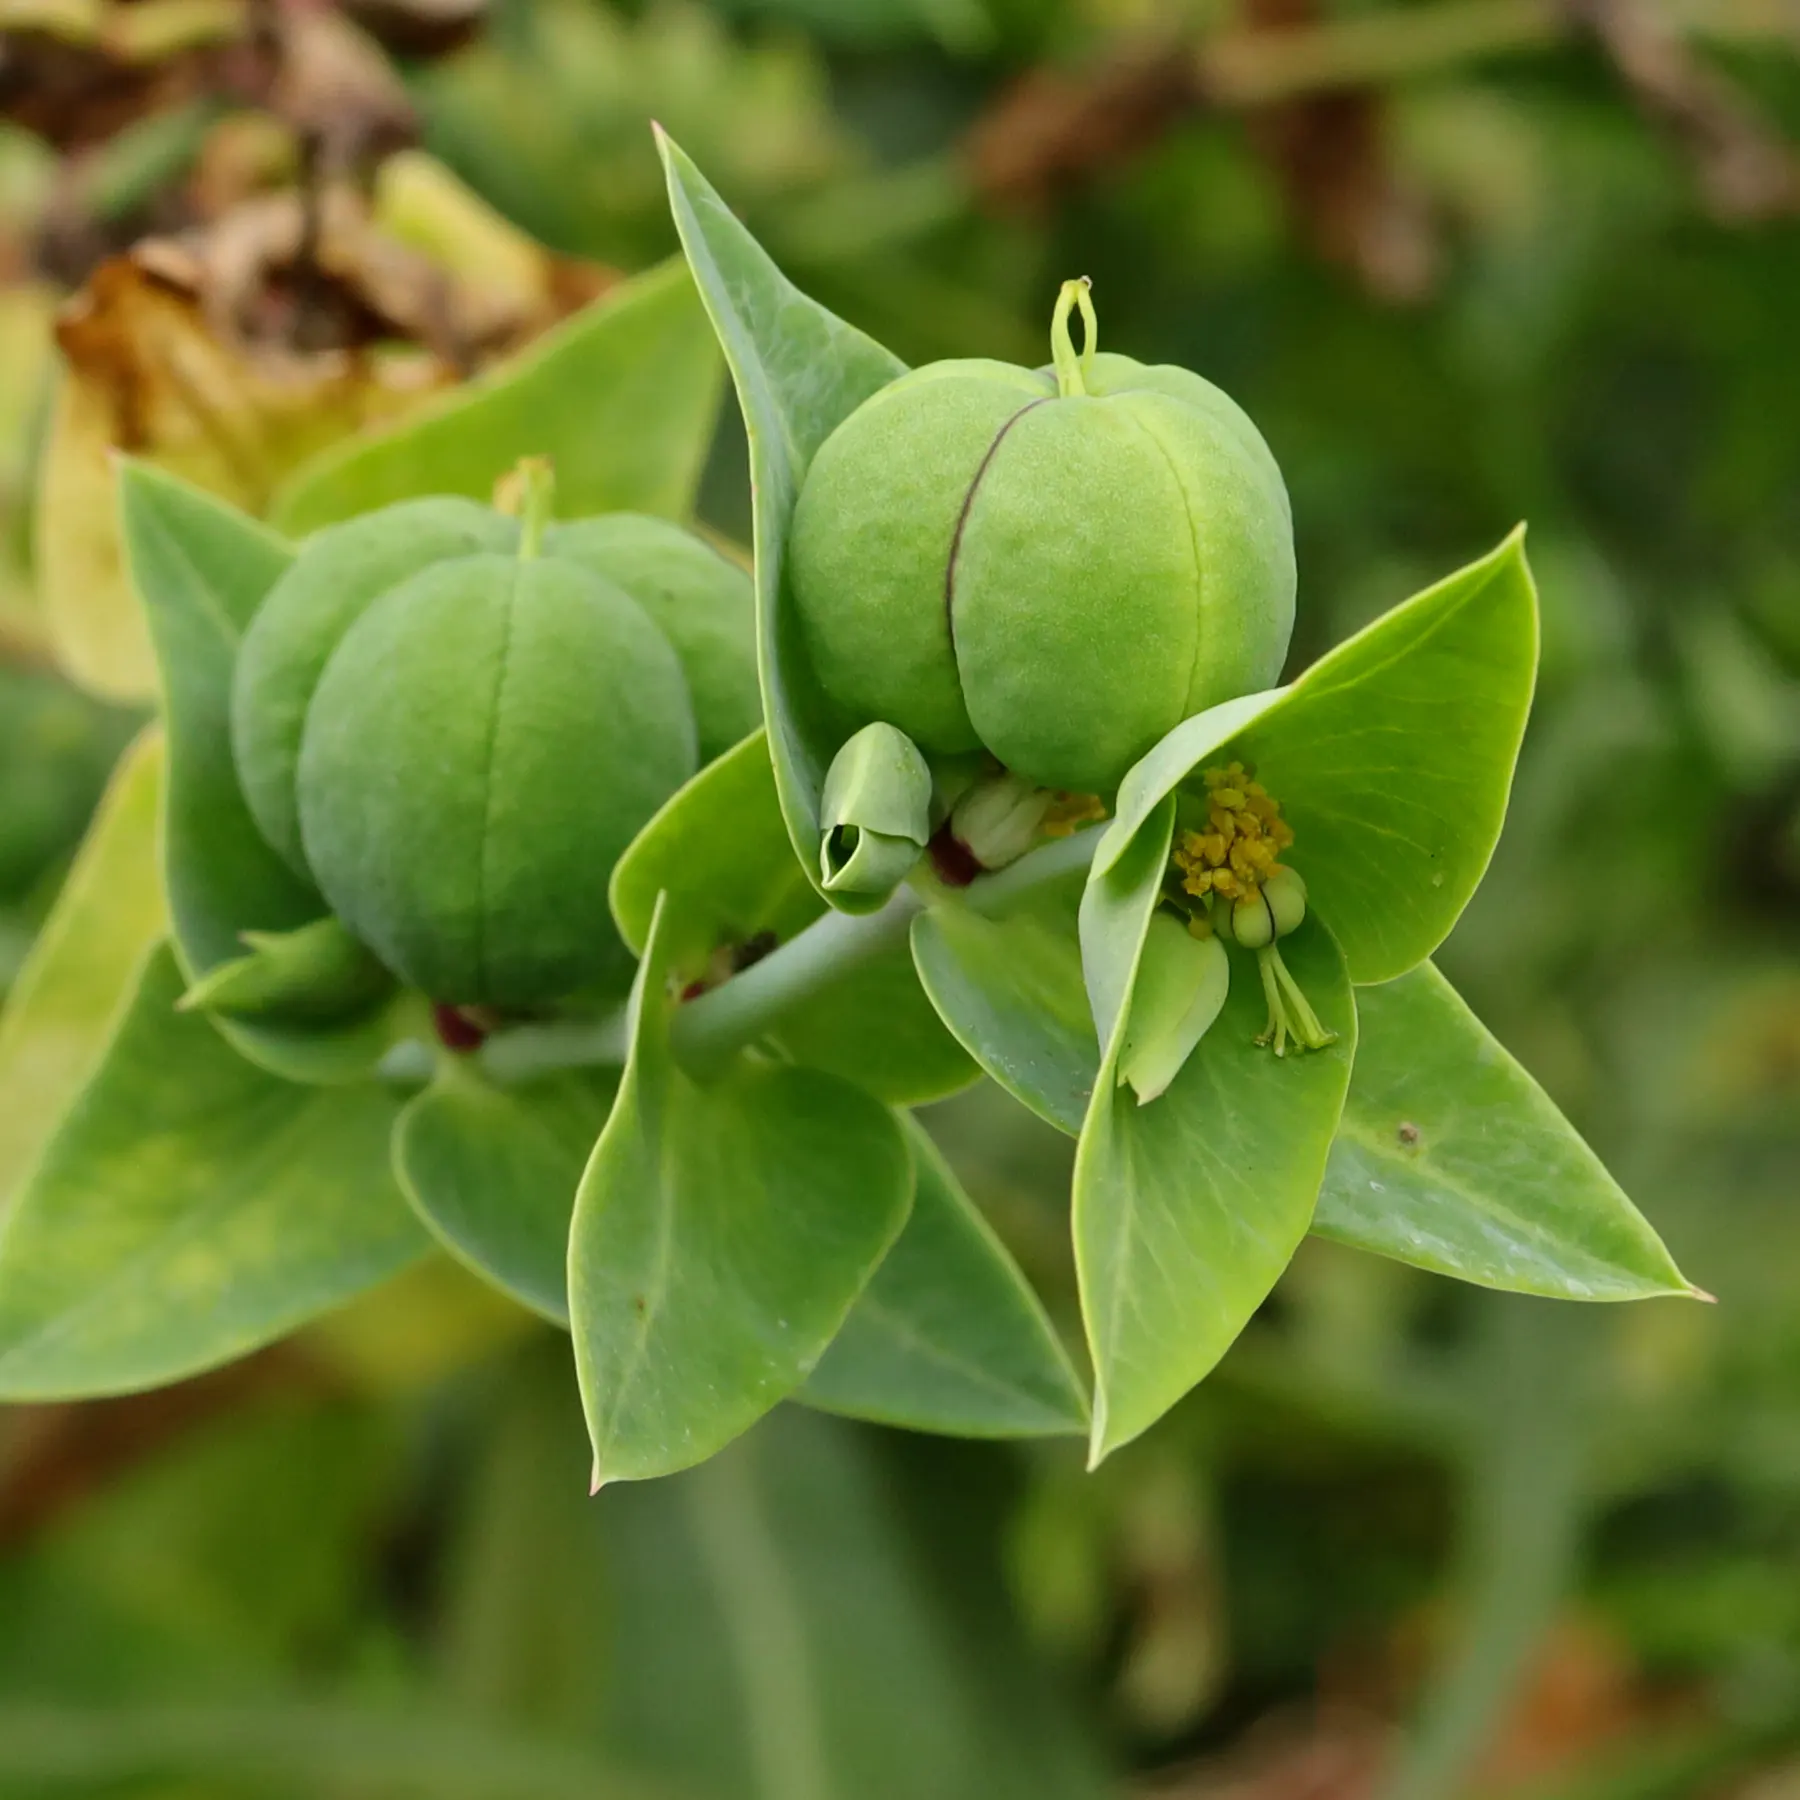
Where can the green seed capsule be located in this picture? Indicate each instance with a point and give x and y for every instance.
(484, 742)
(1275, 909)
(1058, 567)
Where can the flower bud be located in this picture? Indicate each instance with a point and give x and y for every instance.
(1181, 985)
(1000, 818)
(1058, 568)
(875, 812)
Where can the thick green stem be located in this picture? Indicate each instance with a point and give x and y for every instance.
(711, 1028)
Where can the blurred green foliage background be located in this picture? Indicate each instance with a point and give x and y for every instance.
(1466, 262)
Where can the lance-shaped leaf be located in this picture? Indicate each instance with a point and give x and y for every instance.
(493, 1171)
(949, 1336)
(721, 1236)
(720, 850)
(800, 371)
(1011, 991)
(1188, 1209)
(202, 569)
(1452, 1158)
(622, 398)
(82, 968)
(190, 1207)
(1391, 757)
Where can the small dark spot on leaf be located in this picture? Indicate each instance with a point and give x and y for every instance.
(639, 1305)
(1408, 1134)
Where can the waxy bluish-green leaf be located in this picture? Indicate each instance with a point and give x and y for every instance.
(622, 398)
(493, 1172)
(1451, 1157)
(202, 569)
(949, 1337)
(800, 371)
(189, 1208)
(721, 1236)
(1187, 1209)
(721, 851)
(1392, 758)
(1011, 991)
(82, 968)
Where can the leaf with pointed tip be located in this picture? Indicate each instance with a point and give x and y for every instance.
(1452, 1158)
(1011, 991)
(1187, 1209)
(800, 371)
(202, 569)
(493, 1171)
(622, 398)
(720, 850)
(189, 1208)
(1392, 758)
(721, 1236)
(81, 970)
(949, 1336)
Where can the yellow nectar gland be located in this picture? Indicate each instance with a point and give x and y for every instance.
(1069, 812)
(1229, 863)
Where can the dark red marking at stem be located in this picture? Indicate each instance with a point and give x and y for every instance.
(693, 990)
(953, 860)
(456, 1030)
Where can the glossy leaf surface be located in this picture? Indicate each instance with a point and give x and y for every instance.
(949, 1336)
(721, 1236)
(800, 371)
(622, 398)
(189, 1208)
(1452, 1158)
(493, 1171)
(1391, 757)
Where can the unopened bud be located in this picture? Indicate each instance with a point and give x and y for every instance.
(875, 813)
(999, 819)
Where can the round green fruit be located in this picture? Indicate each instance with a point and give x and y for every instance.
(704, 604)
(482, 744)
(1058, 566)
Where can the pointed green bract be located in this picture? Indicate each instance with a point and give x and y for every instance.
(949, 1337)
(799, 371)
(721, 851)
(84, 964)
(1452, 1158)
(493, 1172)
(1391, 757)
(1188, 1209)
(190, 1208)
(721, 1236)
(1011, 991)
(622, 398)
(201, 569)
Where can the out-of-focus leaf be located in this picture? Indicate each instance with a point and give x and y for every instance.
(949, 1337)
(189, 1208)
(622, 398)
(82, 969)
(1451, 1157)
(493, 1172)
(721, 1235)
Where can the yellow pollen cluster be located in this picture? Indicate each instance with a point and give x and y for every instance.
(1068, 811)
(1245, 833)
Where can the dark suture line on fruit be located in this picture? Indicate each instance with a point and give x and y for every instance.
(962, 518)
